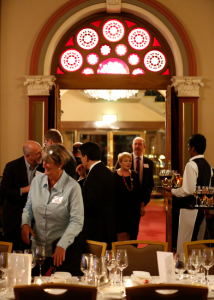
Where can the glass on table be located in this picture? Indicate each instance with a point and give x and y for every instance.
(180, 264)
(86, 264)
(111, 264)
(197, 262)
(32, 252)
(122, 262)
(40, 257)
(4, 260)
(99, 267)
(191, 269)
(207, 261)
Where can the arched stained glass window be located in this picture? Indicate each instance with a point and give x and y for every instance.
(105, 44)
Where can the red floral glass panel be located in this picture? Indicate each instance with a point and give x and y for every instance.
(138, 71)
(105, 49)
(134, 59)
(92, 58)
(87, 71)
(139, 38)
(71, 60)
(113, 30)
(87, 38)
(121, 49)
(154, 60)
(113, 66)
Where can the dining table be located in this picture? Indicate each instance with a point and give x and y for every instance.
(115, 290)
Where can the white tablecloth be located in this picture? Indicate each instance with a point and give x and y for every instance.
(106, 291)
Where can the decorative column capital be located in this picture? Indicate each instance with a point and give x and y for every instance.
(39, 85)
(113, 6)
(187, 86)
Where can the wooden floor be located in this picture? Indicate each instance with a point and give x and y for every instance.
(153, 224)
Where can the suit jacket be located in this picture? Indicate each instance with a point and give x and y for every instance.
(70, 167)
(14, 178)
(98, 196)
(147, 183)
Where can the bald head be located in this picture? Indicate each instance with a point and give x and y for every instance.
(33, 153)
(138, 146)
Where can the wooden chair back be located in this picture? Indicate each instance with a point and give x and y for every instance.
(6, 247)
(96, 248)
(55, 292)
(141, 259)
(166, 291)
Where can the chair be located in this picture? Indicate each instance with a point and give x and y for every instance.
(52, 291)
(188, 246)
(96, 248)
(172, 291)
(6, 247)
(141, 259)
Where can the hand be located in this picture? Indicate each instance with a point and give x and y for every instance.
(81, 171)
(142, 210)
(59, 256)
(26, 230)
(25, 189)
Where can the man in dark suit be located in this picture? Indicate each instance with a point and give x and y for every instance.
(14, 189)
(53, 136)
(98, 195)
(144, 167)
(76, 154)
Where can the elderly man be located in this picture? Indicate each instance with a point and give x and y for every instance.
(53, 136)
(15, 186)
(144, 167)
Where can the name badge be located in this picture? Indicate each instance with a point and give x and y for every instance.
(37, 173)
(145, 165)
(57, 200)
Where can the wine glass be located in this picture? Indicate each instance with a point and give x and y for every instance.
(205, 192)
(199, 194)
(40, 257)
(191, 269)
(99, 269)
(111, 264)
(198, 264)
(4, 267)
(162, 175)
(122, 262)
(30, 251)
(86, 264)
(207, 261)
(180, 264)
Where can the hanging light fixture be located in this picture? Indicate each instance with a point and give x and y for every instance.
(111, 94)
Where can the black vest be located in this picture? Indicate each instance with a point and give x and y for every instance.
(204, 176)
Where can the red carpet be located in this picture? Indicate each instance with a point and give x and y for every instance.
(153, 224)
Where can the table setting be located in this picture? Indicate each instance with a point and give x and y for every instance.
(107, 273)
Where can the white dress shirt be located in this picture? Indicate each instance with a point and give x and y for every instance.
(189, 179)
(141, 166)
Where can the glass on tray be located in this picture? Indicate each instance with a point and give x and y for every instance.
(166, 177)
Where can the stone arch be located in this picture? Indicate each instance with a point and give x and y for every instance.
(151, 10)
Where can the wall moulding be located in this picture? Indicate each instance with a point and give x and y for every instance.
(187, 86)
(39, 85)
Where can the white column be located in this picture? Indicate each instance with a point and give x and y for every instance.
(187, 86)
(39, 85)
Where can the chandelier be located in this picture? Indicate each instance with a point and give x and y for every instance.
(111, 94)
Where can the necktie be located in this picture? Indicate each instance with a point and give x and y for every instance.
(138, 165)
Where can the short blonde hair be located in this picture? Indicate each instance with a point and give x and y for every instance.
(122, 155)
(57, 154)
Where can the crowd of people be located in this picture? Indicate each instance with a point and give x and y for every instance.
(58, 199)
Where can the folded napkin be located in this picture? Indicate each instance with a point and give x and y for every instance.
(61, 277)
(140, 277)
(64, 275)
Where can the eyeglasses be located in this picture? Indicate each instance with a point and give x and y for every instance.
(44, 145)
